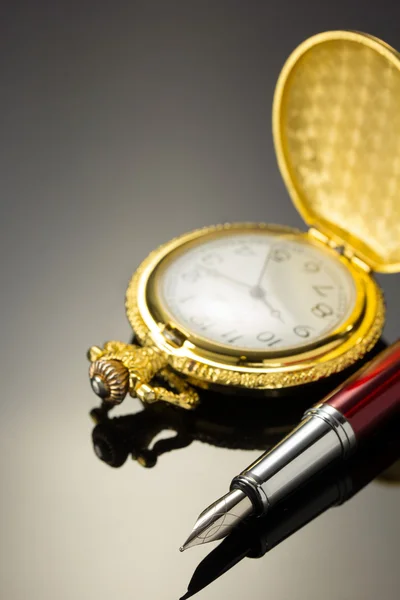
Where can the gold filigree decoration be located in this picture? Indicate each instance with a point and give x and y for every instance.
(142, 364)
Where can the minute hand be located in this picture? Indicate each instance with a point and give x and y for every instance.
(264, 267)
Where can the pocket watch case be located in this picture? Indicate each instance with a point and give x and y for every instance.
(336, 127)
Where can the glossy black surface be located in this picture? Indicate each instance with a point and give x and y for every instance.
(125, 124)
(254, 537)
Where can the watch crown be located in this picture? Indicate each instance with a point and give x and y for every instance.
(109, 380)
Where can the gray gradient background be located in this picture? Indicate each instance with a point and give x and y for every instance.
(123, 125)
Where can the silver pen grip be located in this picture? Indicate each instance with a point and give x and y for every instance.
(322, 437)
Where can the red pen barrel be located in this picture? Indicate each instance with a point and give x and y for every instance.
(372, 395)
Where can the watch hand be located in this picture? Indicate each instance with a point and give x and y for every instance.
(274, 313)
(255, 291)
(264, 267)
(259, 293)
(223, 276)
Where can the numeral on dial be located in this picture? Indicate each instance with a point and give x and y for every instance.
(322, 310)
(232, 336)
(303, 331)
(212, 259)
(244, 251)
(280, 254)
(311, 267)
(320, 289)
(268, 338)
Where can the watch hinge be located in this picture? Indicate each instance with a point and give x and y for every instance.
(340, 248)
(358, 262)
(321, 237)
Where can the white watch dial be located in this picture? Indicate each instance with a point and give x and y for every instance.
(257, 291)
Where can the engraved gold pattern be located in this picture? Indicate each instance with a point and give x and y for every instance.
(336, 124)
(142, 364)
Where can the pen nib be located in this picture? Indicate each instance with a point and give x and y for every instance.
(217, 521)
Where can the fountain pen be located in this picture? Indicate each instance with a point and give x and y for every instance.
(335, 486)
(329, 431)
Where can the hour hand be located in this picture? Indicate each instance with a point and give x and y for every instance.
(274, 312)
(277, 315)
(259, 292)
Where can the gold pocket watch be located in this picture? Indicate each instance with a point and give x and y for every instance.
(265, 307)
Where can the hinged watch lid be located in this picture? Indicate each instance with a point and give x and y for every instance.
(336, 122)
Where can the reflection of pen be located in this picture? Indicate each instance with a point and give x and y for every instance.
(256, 537)
(329, 431)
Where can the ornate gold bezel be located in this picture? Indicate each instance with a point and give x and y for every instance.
(199, 360)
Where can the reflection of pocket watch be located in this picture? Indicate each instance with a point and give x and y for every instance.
(156, 429)
(159, 428)
(267, 307)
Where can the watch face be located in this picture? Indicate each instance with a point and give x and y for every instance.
(256, 291)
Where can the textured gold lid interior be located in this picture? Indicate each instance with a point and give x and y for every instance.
(336, 121)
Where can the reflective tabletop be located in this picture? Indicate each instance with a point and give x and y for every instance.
(125, 125)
